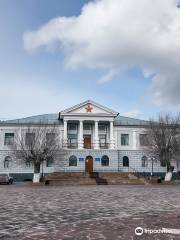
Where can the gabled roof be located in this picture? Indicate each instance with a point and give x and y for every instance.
(72, 110)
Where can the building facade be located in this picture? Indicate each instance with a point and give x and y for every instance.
(94, 137)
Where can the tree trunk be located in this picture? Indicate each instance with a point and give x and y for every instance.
(169, 172)
(36, 177)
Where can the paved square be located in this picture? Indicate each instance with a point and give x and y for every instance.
(87, 212)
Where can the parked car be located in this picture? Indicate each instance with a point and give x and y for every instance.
(5, 178)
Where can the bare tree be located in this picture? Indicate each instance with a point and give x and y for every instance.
(163, 138)
(37, 144)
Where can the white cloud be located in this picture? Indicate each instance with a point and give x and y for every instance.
(109, 76)
(120, 34)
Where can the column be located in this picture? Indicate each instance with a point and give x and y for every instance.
(65, 139)
(112, 144)
(80, 135)
(96, 136)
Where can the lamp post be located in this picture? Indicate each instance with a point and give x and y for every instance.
(42, 170)
(152, 165)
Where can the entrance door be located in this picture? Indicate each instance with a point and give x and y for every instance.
(87, 142)
(89, 164)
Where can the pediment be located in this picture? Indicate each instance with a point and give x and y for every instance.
(89, 108)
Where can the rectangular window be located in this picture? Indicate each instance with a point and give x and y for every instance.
(102, 128)
(124, 139)
(72, 127)
(50, 139)
(144, 161)
(30, 138)
(87, 127)
(72, 141)
(163, 163)
(9, 139)
(143, 139)
(102, 140)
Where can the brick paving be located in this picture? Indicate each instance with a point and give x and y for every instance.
(87, 212)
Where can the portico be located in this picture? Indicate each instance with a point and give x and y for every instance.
(89, 125)
(88, 134)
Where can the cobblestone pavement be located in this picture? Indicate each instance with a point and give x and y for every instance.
(87, 212)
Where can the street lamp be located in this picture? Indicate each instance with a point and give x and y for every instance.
(152, 165)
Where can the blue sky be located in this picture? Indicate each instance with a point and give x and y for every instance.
(42, 79)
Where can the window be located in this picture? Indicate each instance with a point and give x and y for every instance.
(72, 140)
(105, 160)
(102, 140)
(163, 163)
(124, 139)
(49, 162)
(7, 162)
(9, 139)
(87, 127)
(73, 161)
(72, 127)
(50, 139)
(144, 161)
(125, 161)
(28, 163)
(102, 127)
(30, 138)
(143, 139)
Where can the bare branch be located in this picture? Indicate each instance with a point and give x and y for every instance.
(164, 138)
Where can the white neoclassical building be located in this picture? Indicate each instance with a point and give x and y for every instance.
(96, 138)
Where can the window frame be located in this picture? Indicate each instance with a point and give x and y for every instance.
(125, 161)
(8, 139)
(7, 161)
(102, 130)
(27, 142)
(72, 129)
(105, 161)
(49, 162)
(102, 140)
(123, 135)
(75, 159)
(50, 141)
(163, 163)
(144, 161)
(28, 163)
(145, 143)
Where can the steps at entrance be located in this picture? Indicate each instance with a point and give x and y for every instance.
(95, 178)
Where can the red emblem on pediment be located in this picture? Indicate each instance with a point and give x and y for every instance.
(89, 108)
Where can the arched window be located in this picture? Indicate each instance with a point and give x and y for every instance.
(105, 160)
(28, 163)
(144, 161)
(125, 161)
(73, 161)
(7, 162)
(49, 162)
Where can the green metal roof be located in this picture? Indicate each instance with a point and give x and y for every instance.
(127, 121)
(54, 119)
(42, 119)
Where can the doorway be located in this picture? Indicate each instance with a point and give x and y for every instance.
(89, 164)
(87, 141)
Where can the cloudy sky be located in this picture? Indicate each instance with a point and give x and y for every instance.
(121, 53)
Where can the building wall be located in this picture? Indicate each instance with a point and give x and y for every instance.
(133, 151)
